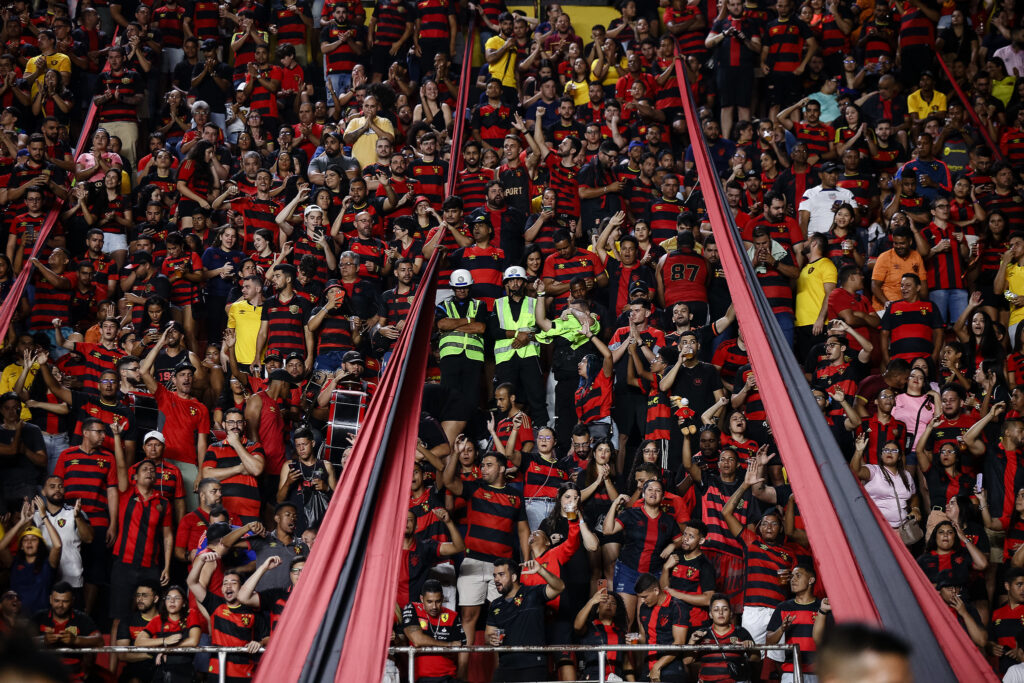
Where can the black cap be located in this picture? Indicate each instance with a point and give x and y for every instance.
(182, 366)
(332, 283)
(282, 376)
(210, 44)
(752, 174)
(830, 167)
(353, 357)
(294, 354)
(272, 355)
(638, 287)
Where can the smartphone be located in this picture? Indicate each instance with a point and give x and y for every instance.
(978, 482)
(602, 584)
(293, 466)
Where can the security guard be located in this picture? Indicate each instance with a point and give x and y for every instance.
(460, 320)
(512, 326)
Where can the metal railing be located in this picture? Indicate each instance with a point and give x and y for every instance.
(601, 650)
(412, 652)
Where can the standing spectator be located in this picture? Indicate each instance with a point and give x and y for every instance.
(236, 463)
(801, 621)
(911, 328)
(118, 92)
(662, 621)
(788, 47)
(947, 267)
(342, 42)
(818, 204)
(72, 526)
(815, 283)
(65, 627)
(185, 421)
(517, 618)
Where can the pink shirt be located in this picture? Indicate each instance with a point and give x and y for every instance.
(884, 496)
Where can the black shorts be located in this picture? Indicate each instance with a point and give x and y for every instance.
(629, 412)
(96, 559)
(784, 88)
(381, 59)
(124, 579)
(735, 86)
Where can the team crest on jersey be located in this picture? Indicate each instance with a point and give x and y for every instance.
(518, 600)
(690, 572)
(61, 522)
(246, 620)
(294, 309)
(445, 617)
(663, 620)
(192, 411)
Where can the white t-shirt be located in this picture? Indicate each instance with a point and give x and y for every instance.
(818, 202)
(71, 544)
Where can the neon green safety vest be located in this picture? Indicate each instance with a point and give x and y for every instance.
(503, 350)
(462, 343)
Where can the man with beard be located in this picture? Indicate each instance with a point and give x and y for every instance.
(661, 620)
(892, 265)
(132, 391)
(185, 422)
(400, 184)
(688, 575)
(307, 482)
(769, 560)
(145, 540)
(598, 188)
(473, 180)
(506, 221)
(428, 623)
(232, 624)
(517, 618)
(782, 228)
(172, 354)
(168, 476)
(236, 462)
(397, 303)
(429, 171)
(332, 154)
(72, 526)
(282, 542)
(283, 326)
(512, 326)
(62, 626)
(271, 601)
(563, 173)
(193, 525)
(139, 666)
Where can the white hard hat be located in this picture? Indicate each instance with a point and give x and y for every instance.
(513, 272)
(460, 278)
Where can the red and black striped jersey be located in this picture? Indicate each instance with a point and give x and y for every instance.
(1011, 144)
(334, 333)
(916, 29)
(564, 180)
(562, 270)
(764, 561)
(833, 40)
(1011, 204)
(430, 177)
(87, 477)
(880, 39)
(433, 16)
(639, 195)
(471, 187)
(141, 523)
(391, 17)
(258, 214)
(487, 264)
(286, 324)
(370, 251)
(85, 405)
(715, 493)
(594, 402)
(910, 328)
(801, 632)
(241, 491)
(644, 537)
(658, 622)
(127, 83)
(693, 576)
(344, 57)
(183, 291)
(96, 359)
(689, 42)
(1007, 629)
(244, 54)
(49, 303)
(492, 123)
(777, 286)
(449, 243)
(205, 19)
(168, 479)
(78, 623)
(785, 40)
(492, 518)
(878, 434)
(730, 358)
(542, 477)
(170, 21)
(817, 136)
(233, 626)
(262, 100)
(662, 216)
(721, 667)
(291, 30)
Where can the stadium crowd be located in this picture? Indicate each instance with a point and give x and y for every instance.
(220, 273)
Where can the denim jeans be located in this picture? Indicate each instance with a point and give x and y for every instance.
(787, 323)
(537, 509)
(949, 303)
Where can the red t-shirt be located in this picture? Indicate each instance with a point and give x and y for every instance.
(181, 420)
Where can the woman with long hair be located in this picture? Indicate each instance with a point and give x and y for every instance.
(197, 184)
(593, 396)
(965, 514)
(602, 621)
(263, 244)
(577, 79)
(915, 407)
(175, 117)
(889, 485)
(723, 630)
(952, 366)
(943, 479)
(843, 246)
(990, 382)
(469, 470)
(608, 66)
(974, 328)
(161, 174)
(221, 262)
(436, 114)
(53, 99)
(596, 484)
(175, 626)
(949, 556)
(34, 566)
(854, 132)
(111, 212)
(404, 245)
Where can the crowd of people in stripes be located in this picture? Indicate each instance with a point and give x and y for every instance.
(225, 210)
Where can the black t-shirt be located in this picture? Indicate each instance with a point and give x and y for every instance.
(19, 471)
(522, 620)
(208, 90)
(698, 384)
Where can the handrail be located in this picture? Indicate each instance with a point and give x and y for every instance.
(970, 109)
(10, 305)
(459, 127)
(413, 652)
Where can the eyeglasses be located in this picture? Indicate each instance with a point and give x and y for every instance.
(108, 381)
(234, 422)
(831, 345)
(890, 450)
(544, 438)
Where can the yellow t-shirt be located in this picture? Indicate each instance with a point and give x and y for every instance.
(244, 319)
(810, 289)
(579, 92)
(9, 376)
(614, 74)
(1015, 283)
(504, 68)
(56, 62)
(917, 105)
(365, 148)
